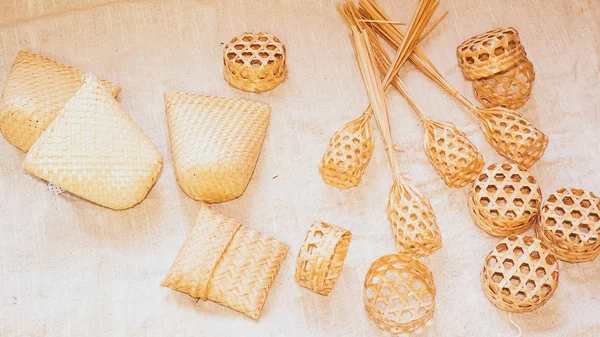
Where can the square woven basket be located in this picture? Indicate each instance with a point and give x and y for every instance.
(216, 142)
(227, 263)
(35, 92)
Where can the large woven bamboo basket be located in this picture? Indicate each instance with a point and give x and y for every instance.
(93, 149)
(35, 92)
(216, 142)
(227, 263)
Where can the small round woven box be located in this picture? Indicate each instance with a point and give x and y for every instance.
(570, 224)
(520, 274)
(255, 62)
(504, 200)
(321, 257)
(399, 294)
(508, 89)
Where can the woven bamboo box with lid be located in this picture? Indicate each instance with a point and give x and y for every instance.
(35, 92)
(227, 263)
(216, 142)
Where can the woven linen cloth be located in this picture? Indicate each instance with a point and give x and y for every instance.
(70, 268)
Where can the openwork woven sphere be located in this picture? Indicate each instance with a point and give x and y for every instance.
(570, 224)
(504, 200)
(520, 274)
(255, 62)
(399, 293)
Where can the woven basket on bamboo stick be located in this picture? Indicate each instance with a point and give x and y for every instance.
(505, 200)
(216, 142)
(520, 274)
(399, 294)
(255, 62)
(410, 214)
(226, 263)
(36, 90)
(321, 257)
(348, 154)
(508, 89)
(93, 149)
(509, 133)
(570, 224)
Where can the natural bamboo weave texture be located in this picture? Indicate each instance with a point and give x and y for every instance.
(255, 62)
(321, 257)
(35, 92)
(507, 89)
(348, 154)
(520, 274)
(504, 200)
(489, 53)
(94, 149)
(216, 142)
(399, 294)
(227, 263)
(570, 224)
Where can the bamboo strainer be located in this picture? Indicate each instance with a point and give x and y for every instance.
(497, 64)
(94, 149)
(227, 263)
(570, 224)
(504, 200)
(509, 133)
(35, 92)
(255, 62)
(348, 154)
(321, 257)
(399, 294)
(216, 142)
(520, 274)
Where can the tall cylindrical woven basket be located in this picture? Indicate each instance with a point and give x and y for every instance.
(35, 92)
(227, 263)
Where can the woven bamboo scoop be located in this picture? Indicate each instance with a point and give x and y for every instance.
(410, 214)
(509, 133)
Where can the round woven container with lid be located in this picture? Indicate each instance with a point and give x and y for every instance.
(508, 89)
(520, 274)
(504, 200)
(254, 62)
(570, 224)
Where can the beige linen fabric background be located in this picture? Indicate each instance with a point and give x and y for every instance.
(70, 268)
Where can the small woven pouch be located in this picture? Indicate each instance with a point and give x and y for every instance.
(227, 263)
(215, 142)
(35, 92)
(93, 149)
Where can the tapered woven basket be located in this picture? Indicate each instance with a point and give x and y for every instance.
(348, 154)
(497, 64)
(520, 274)
(35, 92)
(321, 257)
(227, 263)
(505, 200)
(570, 224)
(255, 62)
(399, 294)
(216, 142)
(93, 149)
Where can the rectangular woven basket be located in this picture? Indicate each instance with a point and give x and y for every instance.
(36, 90)
(227, 263)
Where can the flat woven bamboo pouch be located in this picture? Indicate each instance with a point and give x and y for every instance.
(216, 142)
(508, 89)
(227, 263)
(489, 53)
(93, 149)
(321, 257)
(255, 62)
(505, 200)
(399, 294)
(520, 274)
(35, 92)
(570, 224)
